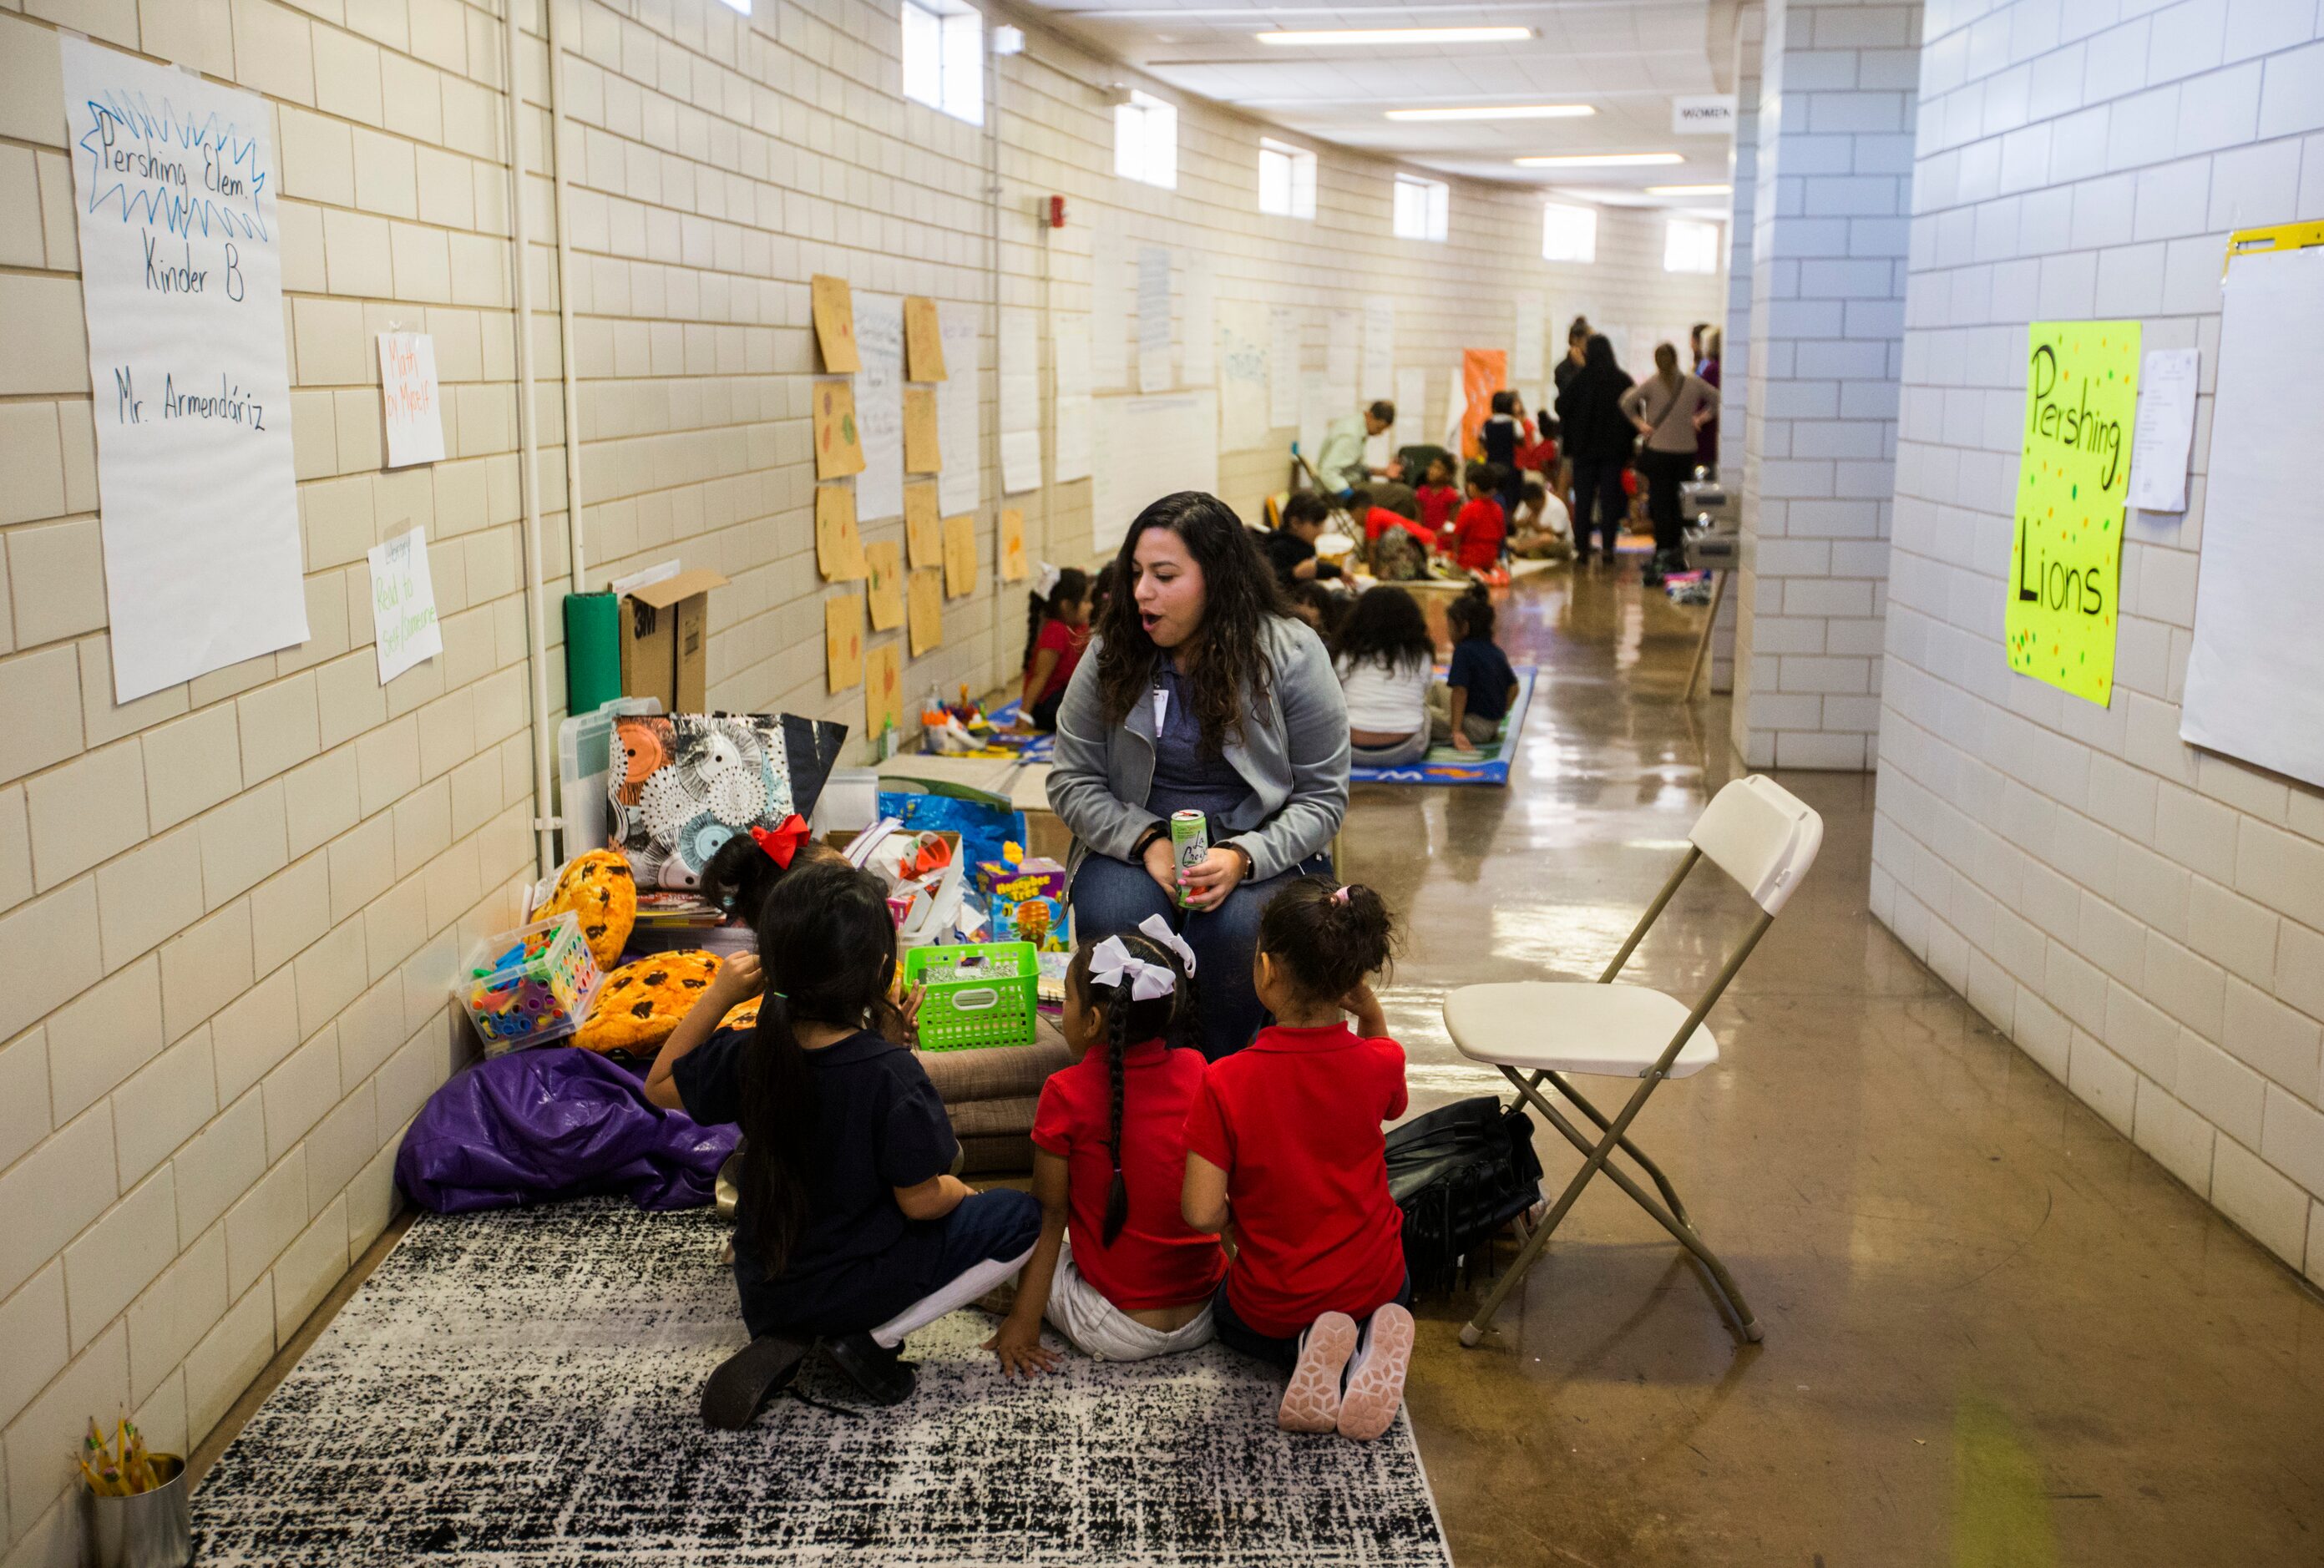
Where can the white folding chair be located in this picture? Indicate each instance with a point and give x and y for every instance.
(1762, 836)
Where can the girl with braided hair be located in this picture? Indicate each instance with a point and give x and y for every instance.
(1117, 1270)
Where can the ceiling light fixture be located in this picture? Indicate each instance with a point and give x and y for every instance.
(1689, 189)
(1599, 160)
(1329, 35)
(1508, 112)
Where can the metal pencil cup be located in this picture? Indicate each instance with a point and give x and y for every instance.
(153, 1529)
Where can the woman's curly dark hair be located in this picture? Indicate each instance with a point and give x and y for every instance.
(1239, 594)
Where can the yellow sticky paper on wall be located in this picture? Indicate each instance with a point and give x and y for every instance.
(959, 556)
(838, 546)
(883, 689)
(2073, 476)
(885, 564)
(922, 454)
(835, 323)
(843, 640)
(838, 446)
(1012, 545)
(923, 340)
(927, 610)
(922, 533)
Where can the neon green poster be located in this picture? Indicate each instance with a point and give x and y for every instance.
(2073, 474)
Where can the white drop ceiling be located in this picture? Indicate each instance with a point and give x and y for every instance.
(1627, 59)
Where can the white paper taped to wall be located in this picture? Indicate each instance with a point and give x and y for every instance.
(404, 605)
(1243, 392)
(2256, 675)
(1069, 345)
(879, 405)
(1148, 447)
(2165, 431)
(1378, 379)
(1200, 367)
(1285, 331)
(1153, 318)
(181, 282)
(960, 440)
(1020, 400)
(1108, 357)
(411, 399)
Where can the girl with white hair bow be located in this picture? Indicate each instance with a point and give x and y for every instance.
(1117, 1269)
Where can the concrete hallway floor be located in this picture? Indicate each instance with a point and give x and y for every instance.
(1997, 1332)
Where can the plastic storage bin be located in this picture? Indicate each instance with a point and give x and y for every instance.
(531, 985)
(979, 994)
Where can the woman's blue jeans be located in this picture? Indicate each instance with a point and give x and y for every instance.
(1111, 897)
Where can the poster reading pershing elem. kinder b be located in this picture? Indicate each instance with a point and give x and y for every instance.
(2073, 474)
(181, 280)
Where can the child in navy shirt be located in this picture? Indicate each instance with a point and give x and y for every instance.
(851, 1231)
(1467, 711)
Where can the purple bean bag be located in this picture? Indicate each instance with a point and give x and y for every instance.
(538, 1125)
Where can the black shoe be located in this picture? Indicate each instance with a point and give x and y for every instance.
(745, 1380)
(881, 1373)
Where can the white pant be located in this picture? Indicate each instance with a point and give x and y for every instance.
(1102, 1329)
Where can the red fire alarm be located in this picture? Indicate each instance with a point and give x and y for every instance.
(1054, 214)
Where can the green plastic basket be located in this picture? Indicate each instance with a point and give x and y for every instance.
(978, 995)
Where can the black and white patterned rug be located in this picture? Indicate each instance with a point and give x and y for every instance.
(521, 1388)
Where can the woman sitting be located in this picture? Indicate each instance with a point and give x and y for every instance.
(1385, 662)
(1199, 695)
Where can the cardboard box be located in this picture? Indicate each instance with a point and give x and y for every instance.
(665, 639)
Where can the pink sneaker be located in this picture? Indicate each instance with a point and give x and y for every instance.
(1376, 1376)
(1312, 1402)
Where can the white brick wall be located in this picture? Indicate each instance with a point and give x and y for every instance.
(1827, 283)
(230, 912)
(2147, 921)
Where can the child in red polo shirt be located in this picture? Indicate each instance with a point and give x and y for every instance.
(1284, 1140)
(1117, 1271)
(1480, 525)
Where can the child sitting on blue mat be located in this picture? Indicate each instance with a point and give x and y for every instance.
(850, 1233)
(1466, 712)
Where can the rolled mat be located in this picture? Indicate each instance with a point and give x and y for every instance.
(593, 651)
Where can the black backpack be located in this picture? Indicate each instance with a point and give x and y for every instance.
(1459, 1173)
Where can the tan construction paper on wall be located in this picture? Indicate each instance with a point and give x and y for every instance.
(838, 443)
(1012, 545)
(959, 556)
(838, 546)
(927, 610)
(883, 689)
(923, 340)
(665, 630)
(843, 640)
(884, 562)
(834, 324)
(922, 453)
(922, 533)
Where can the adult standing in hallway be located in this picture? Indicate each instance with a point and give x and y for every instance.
(1706, 366)
(1669, 409)
(1198, 693)
(1598, 439)
(1340, 464)
(1577, 345)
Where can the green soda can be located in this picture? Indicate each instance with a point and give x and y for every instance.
(1190, 840)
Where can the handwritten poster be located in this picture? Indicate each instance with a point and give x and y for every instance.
(959, 556)
(1020, 400)
(404, 605)
(959, 416)
(1243, 418)
(1411, 427)
(1153, 318)
(838, 446)
(879, 405)
(1201, 367)
(923, 534)
(2167, 384)
(1285, 331)
(1526, 365)
(1109, 359)
(1069, 347)
(1012, 545)
(411, 398)
(843, 640)
(1340, 349)
(883, 689)
(838, 543)
(2073, 474)
(181, 280)
(1378, 378)
(885, 585)
(927, 610)
(835, 323)
(924, 337)
(922, 452)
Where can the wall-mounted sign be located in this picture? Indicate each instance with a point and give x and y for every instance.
(1703, 115)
